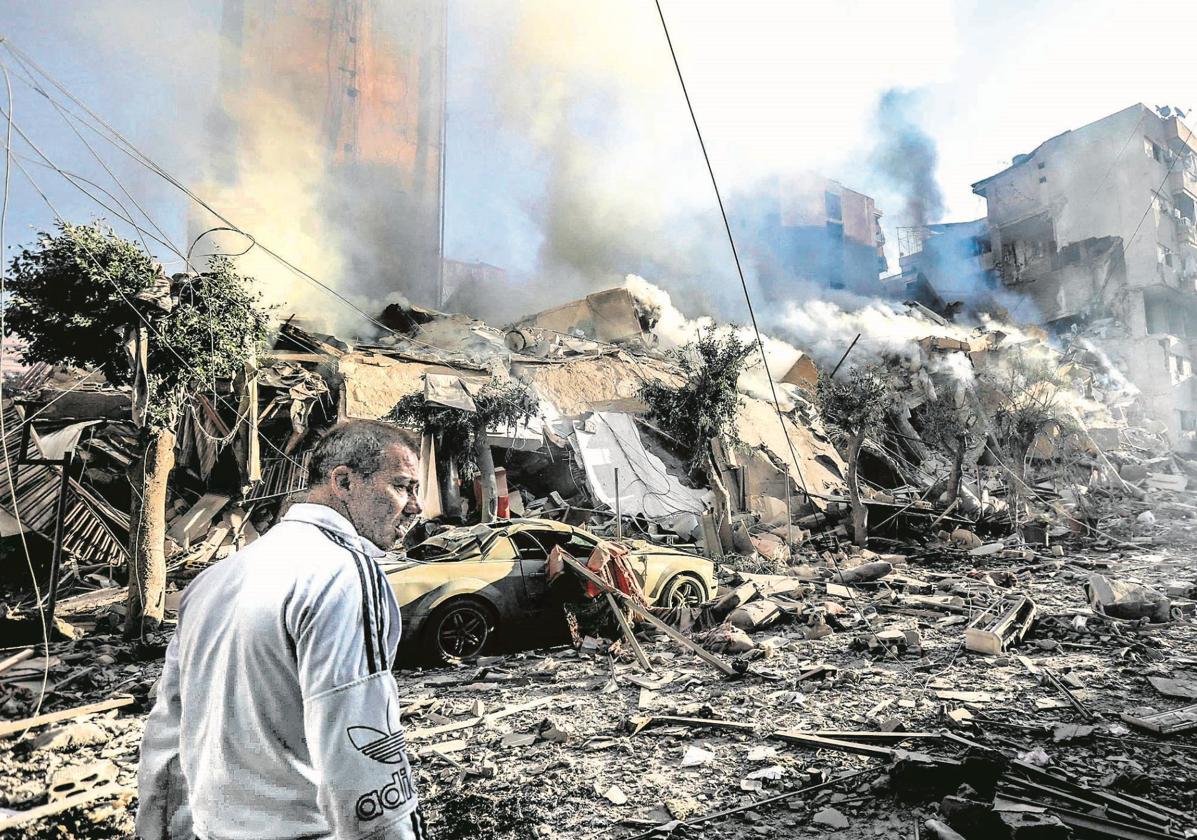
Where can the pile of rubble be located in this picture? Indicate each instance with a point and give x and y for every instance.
(1012, 657)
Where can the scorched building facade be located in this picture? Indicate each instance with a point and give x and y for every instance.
(368, 77)
(1095, 227)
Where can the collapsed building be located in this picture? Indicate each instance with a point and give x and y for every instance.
(1094, 232)
(811, 227)
(589, 452)
(952, 595)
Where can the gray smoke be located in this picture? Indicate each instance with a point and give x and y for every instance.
(905, 159)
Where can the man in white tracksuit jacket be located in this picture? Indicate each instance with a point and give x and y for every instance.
(277, 715)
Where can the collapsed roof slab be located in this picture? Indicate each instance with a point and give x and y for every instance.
(610, 381)
(371, 383)
(818, 468)
(610, 316)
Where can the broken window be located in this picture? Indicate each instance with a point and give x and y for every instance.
(1188, 421)
(1164, 255)
(834, 206)
(1153, 150)
(1070, 253)
(1186, 207)
(536, 545)
(1164, 318)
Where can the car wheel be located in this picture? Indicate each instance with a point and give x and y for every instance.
(683, 591)
(459, 630)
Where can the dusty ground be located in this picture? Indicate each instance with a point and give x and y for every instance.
(564, 768)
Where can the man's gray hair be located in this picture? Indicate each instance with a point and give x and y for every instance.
(357, 444)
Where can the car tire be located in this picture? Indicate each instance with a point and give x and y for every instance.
(684, 590)
(458, 631)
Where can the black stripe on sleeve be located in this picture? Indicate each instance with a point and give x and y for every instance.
(371, 660)
(380, 581)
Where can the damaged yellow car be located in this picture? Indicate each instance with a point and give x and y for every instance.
(459, 588)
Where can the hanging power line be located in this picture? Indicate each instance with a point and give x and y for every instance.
(748, 296)
(12, 487)
(122, 144)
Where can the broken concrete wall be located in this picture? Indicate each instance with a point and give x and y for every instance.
(371, 384)
(607, 382)
(813, 463)
(610, 316)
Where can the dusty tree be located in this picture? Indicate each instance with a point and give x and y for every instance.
(855, 406)
(1024, 397)
(499, 405)
(87, 298)
(705, 406)
(953, 430)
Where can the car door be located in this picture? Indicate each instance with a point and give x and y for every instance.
(541, 542)
(533, 562)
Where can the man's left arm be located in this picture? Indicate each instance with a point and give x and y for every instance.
(343, 639)
(163, 810)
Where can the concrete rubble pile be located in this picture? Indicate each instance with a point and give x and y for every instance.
(1013, 660)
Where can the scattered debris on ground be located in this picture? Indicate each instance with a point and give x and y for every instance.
(1011, 654)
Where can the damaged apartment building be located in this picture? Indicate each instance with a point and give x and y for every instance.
(1094, 230)
(812, 228)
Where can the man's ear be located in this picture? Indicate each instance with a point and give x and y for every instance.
(340, 480)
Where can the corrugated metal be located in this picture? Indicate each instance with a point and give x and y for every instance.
(281, 476)
(92, 527)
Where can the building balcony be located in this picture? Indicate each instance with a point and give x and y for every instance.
(1184, 179)
(1186, 234)
(1179, 136)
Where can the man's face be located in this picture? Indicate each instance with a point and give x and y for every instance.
(383, 506)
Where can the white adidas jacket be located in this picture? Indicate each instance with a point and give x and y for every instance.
(277, 715)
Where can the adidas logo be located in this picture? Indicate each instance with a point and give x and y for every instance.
(372, 804)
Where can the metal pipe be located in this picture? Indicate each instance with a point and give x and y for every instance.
(835, 370)
(618, 509)
(68, 461)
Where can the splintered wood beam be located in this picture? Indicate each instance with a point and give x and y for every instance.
(15, 659)
(626, 629)
(693, 647)
(10, 727)
(33, 814)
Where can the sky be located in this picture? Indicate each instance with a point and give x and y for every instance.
(569, 147)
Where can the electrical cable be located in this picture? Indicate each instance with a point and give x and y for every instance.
(752, 314)
(104, 166)
(72, 177)
(12, 488)
(51, 165)
(747, 295)
(165, 345)
(126, 147)
(1151, 204)
(1121, 152)
(194, 242)
(732, 242)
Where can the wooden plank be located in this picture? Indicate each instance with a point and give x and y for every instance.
(694, 648)
(644, 722)
(10, 727)
(52, 808)
(15, 659)
(807, 740)
(474, 721)
(854, 735)
(92, 600)
(196, 521)
(626, 629)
